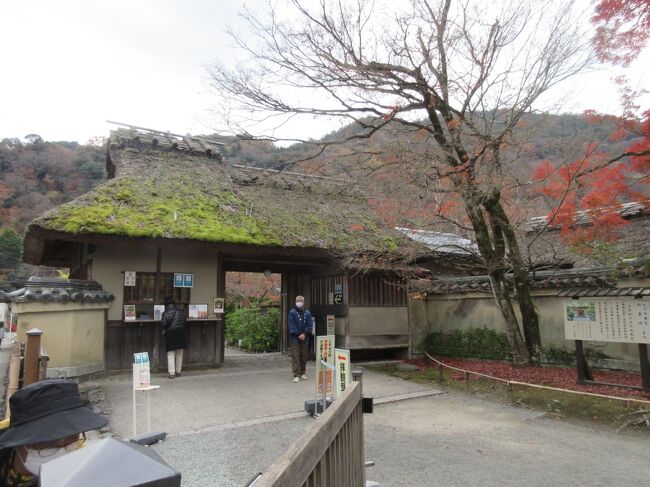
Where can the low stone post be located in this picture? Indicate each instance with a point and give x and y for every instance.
(14, 375)
(32, 354)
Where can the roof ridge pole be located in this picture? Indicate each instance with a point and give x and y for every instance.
(161, 132)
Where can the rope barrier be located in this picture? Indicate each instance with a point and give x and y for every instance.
(517, 383)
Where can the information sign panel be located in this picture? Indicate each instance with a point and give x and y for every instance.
(331, 324)
(607, 320)
(129, 278)
(324, 351)
(343, 370)
(183, 280)
(141, 370)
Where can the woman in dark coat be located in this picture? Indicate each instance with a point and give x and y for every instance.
(173, 325)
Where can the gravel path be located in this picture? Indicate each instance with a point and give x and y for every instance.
(455, 440)
(449, 440)
(228, 424)
(230, 457)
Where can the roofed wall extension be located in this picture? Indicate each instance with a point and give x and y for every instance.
(629, 281)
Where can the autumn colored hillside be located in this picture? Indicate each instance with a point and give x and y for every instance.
(36, 175)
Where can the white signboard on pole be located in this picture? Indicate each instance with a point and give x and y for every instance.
(343, 370)
(607, 320)
(325, 352)
(141, 370)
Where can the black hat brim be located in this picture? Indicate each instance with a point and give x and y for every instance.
(52, 427)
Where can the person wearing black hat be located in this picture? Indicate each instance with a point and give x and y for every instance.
(46, 421)
(173, 325)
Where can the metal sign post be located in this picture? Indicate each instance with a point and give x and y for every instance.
(141, 382)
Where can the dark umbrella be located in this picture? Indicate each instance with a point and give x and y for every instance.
(109, 463)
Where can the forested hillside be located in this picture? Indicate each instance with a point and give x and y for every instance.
(36, 175)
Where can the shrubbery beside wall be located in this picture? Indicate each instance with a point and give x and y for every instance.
(257, 328)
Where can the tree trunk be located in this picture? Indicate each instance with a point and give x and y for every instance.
(495, 267)
(530, 320)
(520, 356)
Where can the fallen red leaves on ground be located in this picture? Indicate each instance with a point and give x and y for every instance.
(561, 377)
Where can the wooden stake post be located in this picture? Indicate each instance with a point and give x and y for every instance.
(645, 366)
(584, 372)
(32, 354)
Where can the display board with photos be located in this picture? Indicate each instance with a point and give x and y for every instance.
(198, 311)
(607, 320)
(146, 297)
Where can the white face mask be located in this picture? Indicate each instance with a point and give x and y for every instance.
(36, 458)
(299, 304)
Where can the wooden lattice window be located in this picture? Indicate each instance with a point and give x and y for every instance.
(147, 292)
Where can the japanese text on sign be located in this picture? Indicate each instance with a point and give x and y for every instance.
(325, 352)
(607, 320)
(330, 324)
(183, 280)
(343, 371)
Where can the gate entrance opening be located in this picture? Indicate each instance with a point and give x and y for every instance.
(252, 313)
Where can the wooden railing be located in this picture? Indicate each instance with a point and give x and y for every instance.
(329, 453)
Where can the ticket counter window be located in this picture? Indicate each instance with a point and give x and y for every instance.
(147, 292)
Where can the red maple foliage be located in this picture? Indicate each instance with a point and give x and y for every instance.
(591, 189)
(623, 29)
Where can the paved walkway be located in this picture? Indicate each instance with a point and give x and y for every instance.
(249, 389)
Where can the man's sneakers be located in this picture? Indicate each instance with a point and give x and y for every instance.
(304, 377)
(296, 379)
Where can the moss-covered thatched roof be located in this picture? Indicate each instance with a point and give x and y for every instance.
(160, 191)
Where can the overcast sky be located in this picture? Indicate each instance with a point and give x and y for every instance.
(69, 65)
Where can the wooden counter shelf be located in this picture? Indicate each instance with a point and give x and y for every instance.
(191, 320)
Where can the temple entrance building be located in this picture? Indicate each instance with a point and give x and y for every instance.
(174, 217)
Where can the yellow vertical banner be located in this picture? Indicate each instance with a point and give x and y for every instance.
(343, 370)
(325, 352)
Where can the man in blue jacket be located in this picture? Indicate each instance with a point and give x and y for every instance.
(300, 327)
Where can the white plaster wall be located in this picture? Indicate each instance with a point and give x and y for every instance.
(109, 262)
(448, 313)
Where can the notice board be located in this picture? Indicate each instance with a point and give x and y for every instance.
(607, 320)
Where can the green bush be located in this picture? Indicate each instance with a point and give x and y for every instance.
(257, 328)
(471, 343)
(558, 355)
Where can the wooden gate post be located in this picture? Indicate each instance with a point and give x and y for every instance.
(584, 372)
(645, 366)
(32, 353)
